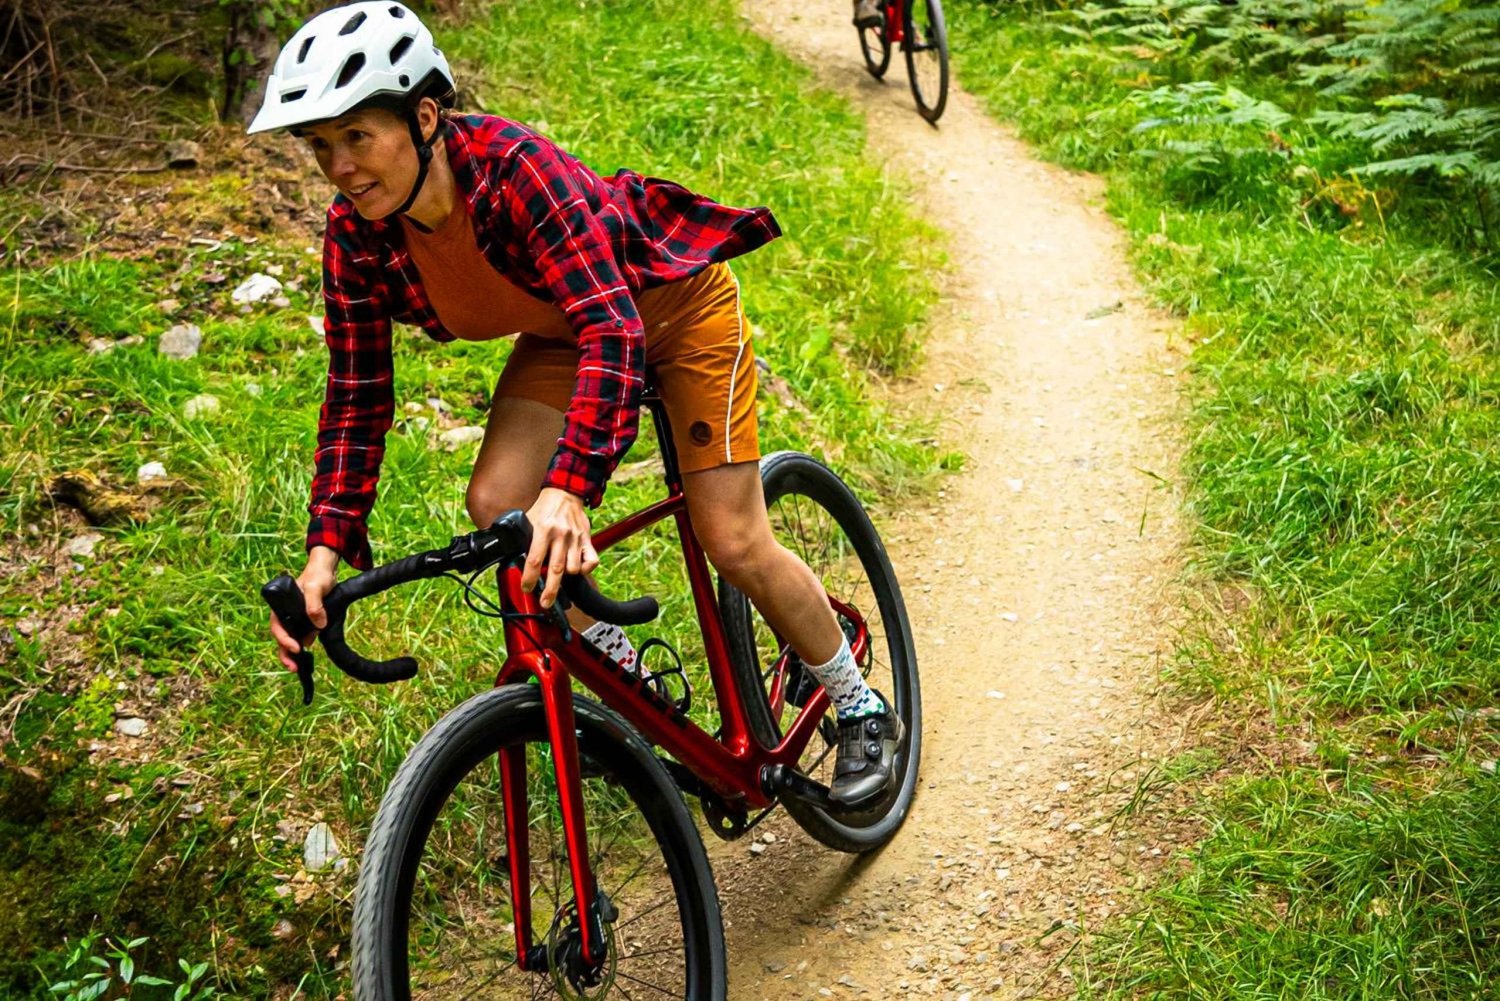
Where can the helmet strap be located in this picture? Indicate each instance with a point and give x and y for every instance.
(424, 156)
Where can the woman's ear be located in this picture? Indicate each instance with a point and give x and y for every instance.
(428, 115)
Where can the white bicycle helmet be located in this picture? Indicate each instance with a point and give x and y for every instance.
(352, 56)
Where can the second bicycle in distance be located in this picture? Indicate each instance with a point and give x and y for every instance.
(917, 28)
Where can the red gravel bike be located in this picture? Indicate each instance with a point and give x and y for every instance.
(916, 26)
(536, 842)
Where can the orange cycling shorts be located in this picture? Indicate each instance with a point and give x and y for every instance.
(698, 344)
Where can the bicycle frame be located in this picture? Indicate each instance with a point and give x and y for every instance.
(734, 766)
(899, 29)
(895, 22)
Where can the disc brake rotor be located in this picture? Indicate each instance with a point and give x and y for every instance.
(572, 978)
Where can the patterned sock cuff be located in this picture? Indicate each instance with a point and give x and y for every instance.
(613, 643)
(846, 687)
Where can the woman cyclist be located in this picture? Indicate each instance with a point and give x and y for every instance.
(475, 227)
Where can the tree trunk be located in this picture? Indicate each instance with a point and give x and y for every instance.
(250, 48)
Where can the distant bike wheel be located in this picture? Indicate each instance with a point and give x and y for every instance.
(815, 515)
(926, 48)
(876, 47)
(432, 911)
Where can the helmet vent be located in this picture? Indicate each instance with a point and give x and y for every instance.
(397, 11)
(302, 52)
(399, 49)
(352, 66)
(352, 25)
(293, 95)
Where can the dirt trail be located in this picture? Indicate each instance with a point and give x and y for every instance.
(1039, 588)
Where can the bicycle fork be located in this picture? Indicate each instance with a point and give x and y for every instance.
(590, 908)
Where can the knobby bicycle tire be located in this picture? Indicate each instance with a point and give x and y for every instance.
(456, 748)
(798, 477)
(926, 48)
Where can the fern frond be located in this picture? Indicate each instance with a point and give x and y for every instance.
(1447, 165)
(1481, 65)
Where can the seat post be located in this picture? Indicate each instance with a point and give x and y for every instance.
(651, 400)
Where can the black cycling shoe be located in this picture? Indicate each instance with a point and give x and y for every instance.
(867, 14)
(865, 766)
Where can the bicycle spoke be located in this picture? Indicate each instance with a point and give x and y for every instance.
(478, 987)
(653, 908)
(651, 952)
(825, 537)
(647, 983)
(821, 758)
(599, 855)
(801, 532)
(634, 874)
(555, 891)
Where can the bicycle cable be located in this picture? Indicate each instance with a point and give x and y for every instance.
(475, 598)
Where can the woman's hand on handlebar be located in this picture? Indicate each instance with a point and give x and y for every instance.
(560, 542)
(315, 581)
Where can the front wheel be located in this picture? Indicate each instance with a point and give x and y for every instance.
(816, 516)
(433, 907)
(926, 48)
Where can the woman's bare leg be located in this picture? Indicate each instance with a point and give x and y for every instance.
(519, 442)
(728, 509)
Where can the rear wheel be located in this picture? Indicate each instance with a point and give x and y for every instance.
(875, 45)
(433, 913)
(815, 515)
(926, 49)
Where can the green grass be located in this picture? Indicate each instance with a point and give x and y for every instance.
(164, 617)
(1342, 473)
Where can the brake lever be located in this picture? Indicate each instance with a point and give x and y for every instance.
(285, 599)
(304, 660)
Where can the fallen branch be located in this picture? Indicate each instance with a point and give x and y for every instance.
(23, 61)
(66, 134)
(17, 161)
(158, 47)
(97, 71)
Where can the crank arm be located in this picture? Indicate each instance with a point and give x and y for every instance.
(784, 780)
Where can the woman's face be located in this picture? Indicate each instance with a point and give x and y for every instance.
(369, 157)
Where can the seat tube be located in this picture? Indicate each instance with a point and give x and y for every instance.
(557, 696)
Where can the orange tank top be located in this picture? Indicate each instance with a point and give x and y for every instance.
(477, 303)
(473, 300)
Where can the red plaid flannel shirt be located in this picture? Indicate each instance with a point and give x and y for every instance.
(550, 225)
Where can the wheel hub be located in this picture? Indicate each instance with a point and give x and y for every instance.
(573, 976)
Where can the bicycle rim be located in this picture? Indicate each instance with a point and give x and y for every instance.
(927, 58)
(875, 46)
(437, 872)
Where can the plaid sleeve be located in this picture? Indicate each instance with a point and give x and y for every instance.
(570, 249)
(358, 403)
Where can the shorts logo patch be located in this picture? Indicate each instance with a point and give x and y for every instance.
(701, 433)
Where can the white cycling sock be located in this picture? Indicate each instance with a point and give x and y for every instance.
(846, 687)
(614, 644)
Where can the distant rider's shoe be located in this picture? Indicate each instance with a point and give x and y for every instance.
(865, 766)
(867, 14)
